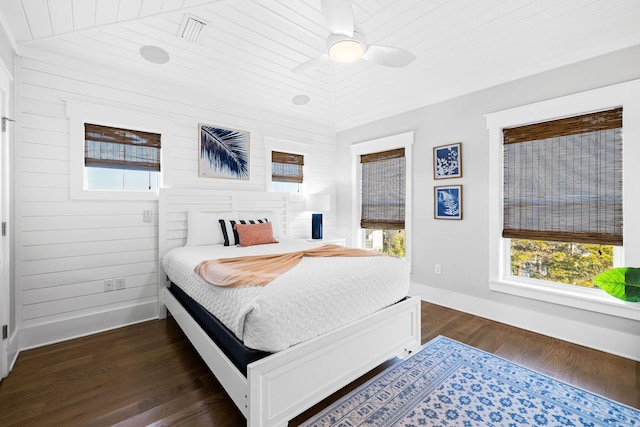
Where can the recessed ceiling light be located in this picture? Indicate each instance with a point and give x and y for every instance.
(300, 99)
(154, 54)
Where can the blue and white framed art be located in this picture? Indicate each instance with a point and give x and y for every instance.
(447, 202)
(223, 153)
(447, 161)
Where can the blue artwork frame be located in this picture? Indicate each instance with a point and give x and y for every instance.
(223, 153)
(447, 161)
(447, 202)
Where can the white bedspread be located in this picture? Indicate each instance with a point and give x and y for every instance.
(316, 296)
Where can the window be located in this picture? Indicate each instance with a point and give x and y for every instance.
(563, 195)
(501, 279)
(383, 200)
(383, 189)
(286, 171)
(381, 194)
(129, 184)
(121, 159)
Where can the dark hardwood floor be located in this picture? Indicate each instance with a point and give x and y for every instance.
(148, 374)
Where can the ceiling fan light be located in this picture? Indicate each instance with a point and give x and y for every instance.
(346, 51)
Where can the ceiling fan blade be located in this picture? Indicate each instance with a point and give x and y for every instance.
(339, 15)
(388, 56)
(312, 64)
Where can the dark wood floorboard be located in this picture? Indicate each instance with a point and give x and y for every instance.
(149, 375)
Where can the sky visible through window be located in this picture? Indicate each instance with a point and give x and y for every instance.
(120, 179)
(285, 187)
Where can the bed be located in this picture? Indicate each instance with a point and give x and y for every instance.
(277, 377)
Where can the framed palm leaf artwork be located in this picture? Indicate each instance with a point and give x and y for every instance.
(448, 202)
(223, 153)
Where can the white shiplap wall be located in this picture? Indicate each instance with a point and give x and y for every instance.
(66, 248)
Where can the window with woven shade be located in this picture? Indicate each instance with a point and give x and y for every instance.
(110, 147)
(121, 159)
(286, 167)
(563, 180)
(383, 190)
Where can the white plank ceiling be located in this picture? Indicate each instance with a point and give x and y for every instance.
(249, 47)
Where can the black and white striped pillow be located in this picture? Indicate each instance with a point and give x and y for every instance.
(229, 234)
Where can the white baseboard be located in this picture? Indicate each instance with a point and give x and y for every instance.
(607, 340)
(40, 335)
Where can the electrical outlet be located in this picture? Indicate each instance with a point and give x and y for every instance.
(147, 216)
(109, 285)
(120, 283)
(438, 269)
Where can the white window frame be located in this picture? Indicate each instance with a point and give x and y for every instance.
(626, 95)
(79, 113)
(402, 140)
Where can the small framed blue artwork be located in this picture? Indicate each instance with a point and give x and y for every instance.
(448, 202)
(223, 153)
(447, 161)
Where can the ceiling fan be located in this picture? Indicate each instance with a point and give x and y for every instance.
(347, 43)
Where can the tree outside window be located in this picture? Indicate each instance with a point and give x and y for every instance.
(560, 262)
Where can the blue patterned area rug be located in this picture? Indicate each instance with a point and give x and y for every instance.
(451, 384)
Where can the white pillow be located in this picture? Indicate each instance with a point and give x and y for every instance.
(273, 218)
(203, 228)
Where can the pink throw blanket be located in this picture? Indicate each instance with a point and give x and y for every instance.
(259, 270)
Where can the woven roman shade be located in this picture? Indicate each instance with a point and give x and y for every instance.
(563, 180)
(109, 147)
(383, 190)
(286, 167)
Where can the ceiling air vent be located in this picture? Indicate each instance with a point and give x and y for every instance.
(191, 28)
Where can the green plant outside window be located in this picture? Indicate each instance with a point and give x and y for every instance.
(390, 242)
(560, 262)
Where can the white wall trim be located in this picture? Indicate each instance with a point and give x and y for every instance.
(80, 112)
(6, 77)
(13, 350)
(5, 28)
(604, 339)
(53, 332)
(5, 215)
(595, 300)
(401, 140)
(626, 95)
(17, 228)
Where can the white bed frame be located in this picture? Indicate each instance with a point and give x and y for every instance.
(281, 386)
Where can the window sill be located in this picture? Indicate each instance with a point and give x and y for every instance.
(585, 299)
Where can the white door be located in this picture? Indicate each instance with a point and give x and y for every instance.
(4, 245)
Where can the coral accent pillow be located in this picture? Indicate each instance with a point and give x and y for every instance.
(255, 234)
